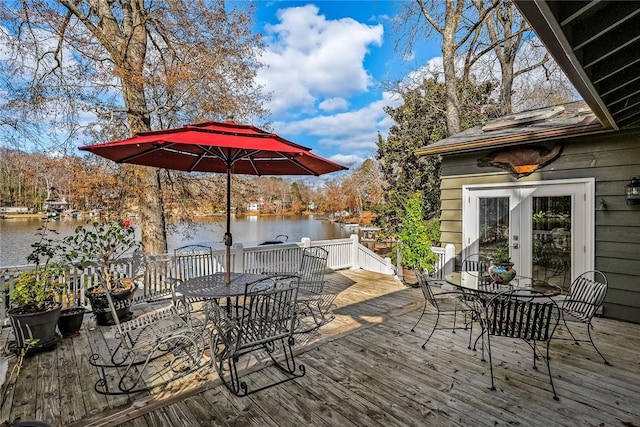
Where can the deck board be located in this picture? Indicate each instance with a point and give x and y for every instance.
(364, 368)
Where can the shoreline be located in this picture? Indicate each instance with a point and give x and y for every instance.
(23, 216)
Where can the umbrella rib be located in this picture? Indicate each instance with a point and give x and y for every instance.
(254, 167)
(300, 165)
(143, 153)
(205, 151)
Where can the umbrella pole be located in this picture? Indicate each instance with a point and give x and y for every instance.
(228, 241)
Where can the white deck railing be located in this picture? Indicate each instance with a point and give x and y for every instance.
(343, 253)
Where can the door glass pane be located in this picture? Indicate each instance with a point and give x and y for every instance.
(493, 220)
(551, 228)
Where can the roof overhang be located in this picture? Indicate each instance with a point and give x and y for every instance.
(489, 142)
(570, 122)
(597, 44)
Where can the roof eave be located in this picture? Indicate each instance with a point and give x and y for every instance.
(517, 139)
(542, 20)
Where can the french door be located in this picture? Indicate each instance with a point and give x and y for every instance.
(547, 226)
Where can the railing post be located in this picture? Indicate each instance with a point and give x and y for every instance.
(306, 242)
(449, 258)
(238, 258)
(387, 260)
(355, 265)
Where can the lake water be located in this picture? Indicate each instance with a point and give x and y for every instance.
(17, 235)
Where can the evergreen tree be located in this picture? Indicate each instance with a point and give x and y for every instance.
(420, 121)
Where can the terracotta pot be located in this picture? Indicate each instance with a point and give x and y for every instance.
(409, 277)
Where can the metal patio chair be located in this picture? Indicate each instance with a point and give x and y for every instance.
(158, 289)
(313, 308)
(153, 349)
(479, 264)
(476, 262)
(312, 300)
(261, 323)
(510, 314)
(445, 304)
(193, 261)
(189, 262)
(586, 295)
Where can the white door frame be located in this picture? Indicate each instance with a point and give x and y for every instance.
(582, 191)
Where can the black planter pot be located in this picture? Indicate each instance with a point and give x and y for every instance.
(100, 305)
(70, 321)
(40, 325)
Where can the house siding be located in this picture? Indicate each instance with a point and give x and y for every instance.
(611, 160)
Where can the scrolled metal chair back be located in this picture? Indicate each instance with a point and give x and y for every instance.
(425, 288)
(313, 268)
(193, 261)
(476, 262)
(268, 314)
(586, 294)
(530, 318)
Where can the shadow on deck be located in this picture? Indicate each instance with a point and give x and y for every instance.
(365, 368)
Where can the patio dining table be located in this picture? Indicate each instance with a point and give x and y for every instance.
(214, 286)
(481, 283)
(522, 309)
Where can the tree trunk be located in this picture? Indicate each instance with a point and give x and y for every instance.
(506, 89)
(453, 15)
(152, 222)
(151, 209)
(150, 206)
(452, 111)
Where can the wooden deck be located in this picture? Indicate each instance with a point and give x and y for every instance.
(363, 368)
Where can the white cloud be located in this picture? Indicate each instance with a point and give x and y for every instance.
(334, 104)
(349, 160)
(311, 58)
(354, 132)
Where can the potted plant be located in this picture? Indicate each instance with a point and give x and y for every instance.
(416, 237)
(36, 311)
(101, 244)
(70, 320)
(501, 269)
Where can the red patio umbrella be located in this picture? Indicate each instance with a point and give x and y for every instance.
(217, 147)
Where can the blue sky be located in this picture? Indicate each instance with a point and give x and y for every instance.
(327, 62)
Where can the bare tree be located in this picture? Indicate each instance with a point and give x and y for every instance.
(481, 40)
(133, 66)
(505, 30)
(457, 23)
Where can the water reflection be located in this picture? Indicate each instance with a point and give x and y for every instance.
(17, 235)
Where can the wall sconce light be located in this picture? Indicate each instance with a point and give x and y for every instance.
(633, 192)
(602, 205)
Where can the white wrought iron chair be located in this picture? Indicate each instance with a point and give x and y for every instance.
(586, 295)
(261, 323)
(445, 304)
(511, 314)
(151, 350)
